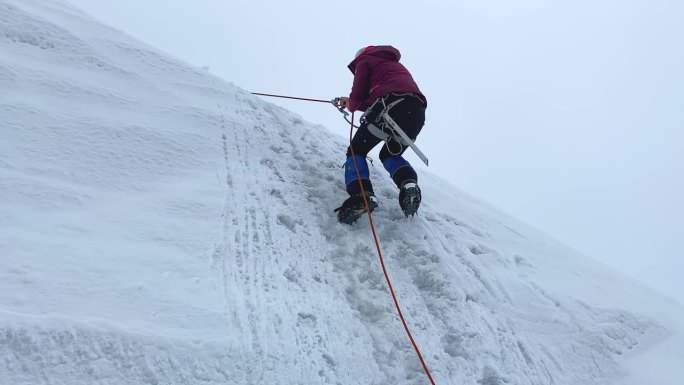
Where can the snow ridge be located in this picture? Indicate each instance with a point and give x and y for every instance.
(162, 226)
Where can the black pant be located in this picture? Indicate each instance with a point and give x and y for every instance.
(409, 114)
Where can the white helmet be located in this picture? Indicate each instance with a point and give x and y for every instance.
(363, 49)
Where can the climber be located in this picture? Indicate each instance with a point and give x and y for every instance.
(382, 88)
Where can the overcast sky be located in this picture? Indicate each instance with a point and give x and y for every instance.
(568, 115)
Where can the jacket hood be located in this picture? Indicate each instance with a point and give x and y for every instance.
(382, 51)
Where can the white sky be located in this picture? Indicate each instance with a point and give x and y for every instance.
(567, 115)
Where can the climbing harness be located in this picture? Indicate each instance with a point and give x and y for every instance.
(384, 120)
(383, 123)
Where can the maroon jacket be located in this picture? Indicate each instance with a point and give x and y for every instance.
(377, 71)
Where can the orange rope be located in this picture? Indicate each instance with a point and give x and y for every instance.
(291, 97)
(382, 261)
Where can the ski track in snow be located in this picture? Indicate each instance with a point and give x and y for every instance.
(161, 226)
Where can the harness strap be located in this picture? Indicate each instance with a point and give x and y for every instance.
(395, 132)
(406, 139)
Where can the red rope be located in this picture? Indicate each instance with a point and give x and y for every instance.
(382, 261)
(292, 97)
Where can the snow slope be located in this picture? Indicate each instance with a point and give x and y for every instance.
(161, 226)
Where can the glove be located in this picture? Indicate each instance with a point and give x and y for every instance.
(344, 102)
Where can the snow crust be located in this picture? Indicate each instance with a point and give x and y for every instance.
(159, 225)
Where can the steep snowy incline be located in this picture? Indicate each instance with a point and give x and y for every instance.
(110, 204)
(159, 225)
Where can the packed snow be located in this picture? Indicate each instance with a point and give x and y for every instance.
(159, 225)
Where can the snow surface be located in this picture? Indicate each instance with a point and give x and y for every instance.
(161, 226)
